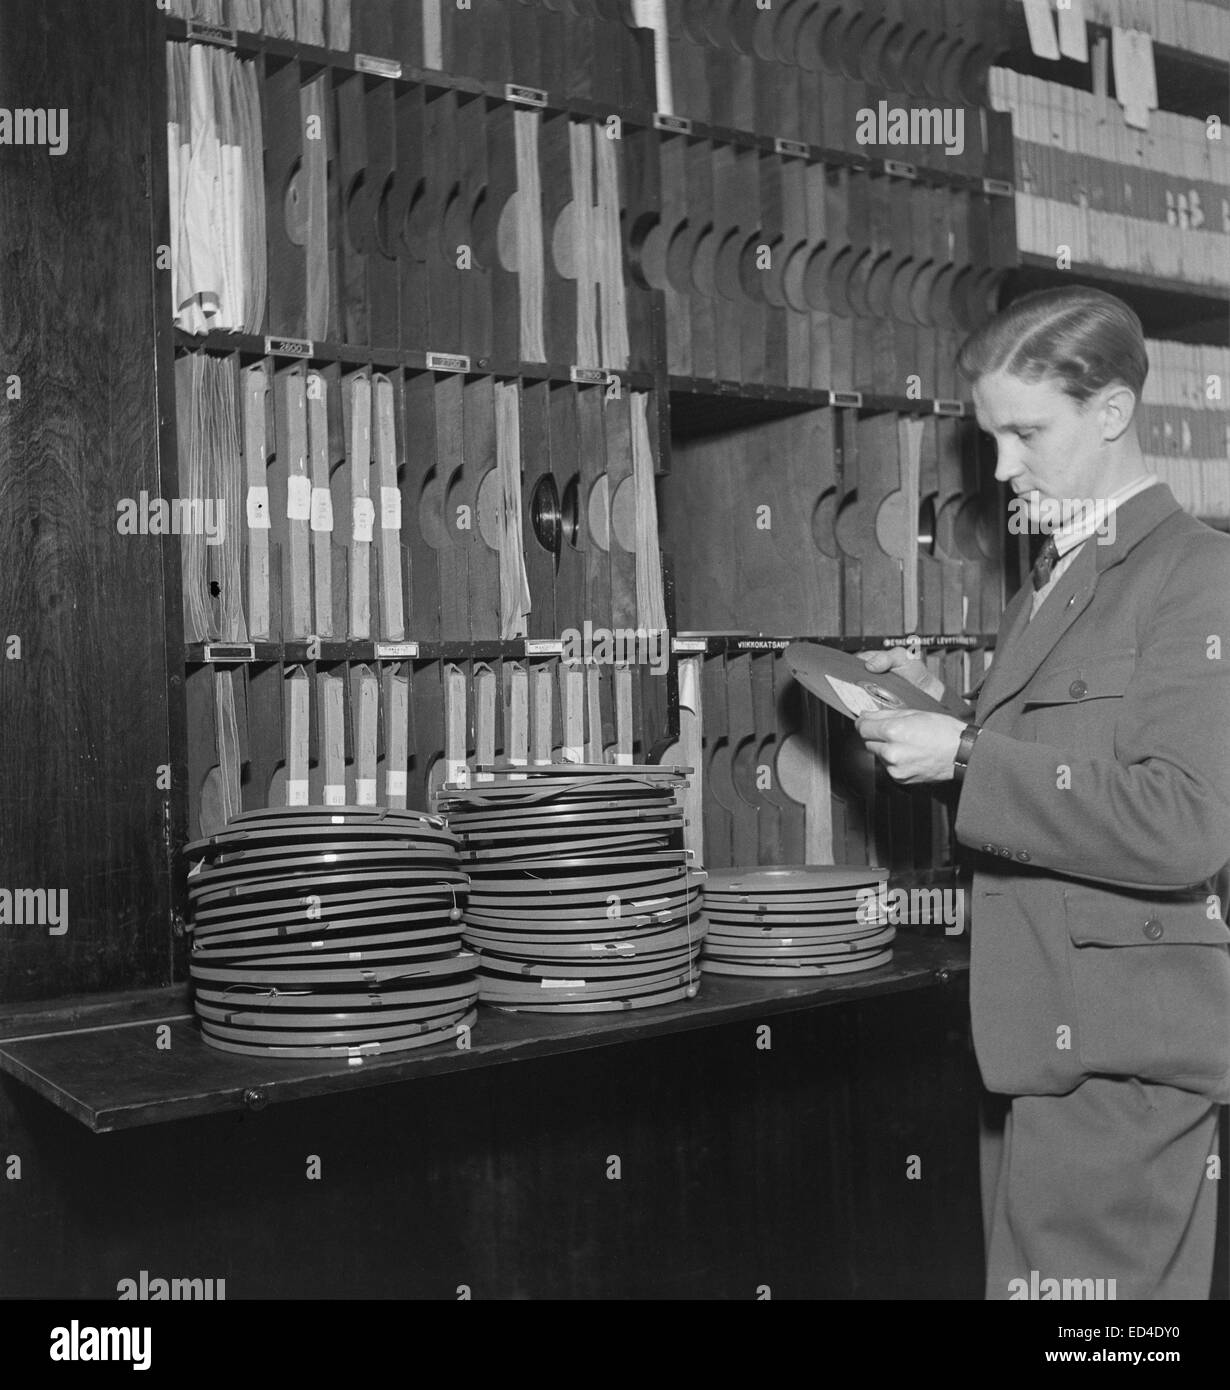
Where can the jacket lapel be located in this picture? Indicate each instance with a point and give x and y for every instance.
(1023, 645)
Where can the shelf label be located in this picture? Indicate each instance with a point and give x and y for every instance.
(544, 646)
(211, 33)
(589, 376)
(363, 516)
(396, 651)
(948, 407)
(230, 651)
(298, 497)
(322, 509)
(258, 508)
(689, 644)
(678, 125)
(762, 644)
(899, 169)
(851, 400)
(390, 509)
(932, 639)
(527, 96)
(378, 67)
(795, 148)
(447, 362)
(288, 347)
(998, 188)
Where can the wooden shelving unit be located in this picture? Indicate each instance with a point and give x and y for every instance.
(893, 262)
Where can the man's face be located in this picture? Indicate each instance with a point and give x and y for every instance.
(1049, 447)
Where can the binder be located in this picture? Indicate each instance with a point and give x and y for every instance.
(621, 503)
(291, 500)
(483, 686)
(321, 513)
(293, 774)
(254, 405)
(515, 687)
(389, 509)
(478, 539)
(514, 589)
(592, 599)
(364, 706)
(330, 770)
(355, 501)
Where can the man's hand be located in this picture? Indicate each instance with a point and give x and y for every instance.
(912, 668)
(914, 745)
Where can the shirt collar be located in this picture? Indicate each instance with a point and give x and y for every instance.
(1089, 519)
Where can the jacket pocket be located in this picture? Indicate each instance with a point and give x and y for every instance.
(1099, 678)
(1151, 979)
(1076, 707)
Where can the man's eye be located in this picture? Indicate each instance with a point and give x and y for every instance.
(1025, 434)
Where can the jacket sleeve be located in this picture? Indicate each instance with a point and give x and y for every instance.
(1157, 813)
(955, 705)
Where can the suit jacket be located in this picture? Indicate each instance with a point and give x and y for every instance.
(1097, 803)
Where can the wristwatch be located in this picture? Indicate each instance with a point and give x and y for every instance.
(969, 736)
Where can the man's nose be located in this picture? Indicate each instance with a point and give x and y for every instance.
(1007, 466)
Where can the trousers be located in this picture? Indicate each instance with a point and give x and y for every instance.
(1117, 1180)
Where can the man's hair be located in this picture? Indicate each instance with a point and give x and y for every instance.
(1083, 339)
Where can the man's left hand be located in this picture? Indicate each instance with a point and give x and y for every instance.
(914, 745)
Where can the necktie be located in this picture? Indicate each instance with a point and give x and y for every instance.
(1045, 563)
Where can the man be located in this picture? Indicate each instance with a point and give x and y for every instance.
(1094, 792)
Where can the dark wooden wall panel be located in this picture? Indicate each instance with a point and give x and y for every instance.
(83, 718)
(740, 1167)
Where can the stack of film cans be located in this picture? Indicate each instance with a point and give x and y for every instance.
(582, 898)
(796, 921)
(322, 931)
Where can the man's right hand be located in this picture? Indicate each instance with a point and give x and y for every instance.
(912, 668)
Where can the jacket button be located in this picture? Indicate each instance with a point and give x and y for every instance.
(1023, 856)
(1078, 690)
(1153, 929)
(1006, 852)
(988, 849)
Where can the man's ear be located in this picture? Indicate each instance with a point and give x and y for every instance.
(1116, 411)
